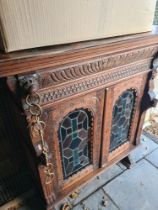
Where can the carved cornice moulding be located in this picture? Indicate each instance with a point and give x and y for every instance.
(96, 81)
(52, 77)
(31, 61)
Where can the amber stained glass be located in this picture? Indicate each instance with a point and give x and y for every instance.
(74, 141)
(122, 113)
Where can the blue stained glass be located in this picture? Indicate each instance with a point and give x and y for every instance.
(76, 160)
(122, 114)
(74, 141)
(63, 133)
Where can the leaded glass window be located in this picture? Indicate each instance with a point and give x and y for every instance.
(74, 139)
(122, 114)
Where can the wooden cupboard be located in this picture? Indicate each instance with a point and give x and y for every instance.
(84, 105)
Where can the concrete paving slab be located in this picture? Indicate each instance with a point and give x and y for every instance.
(95, 202)
(96, 183)
(146, 147)
(153, 158)
(123, 167)
(135, 189)
(151, 136)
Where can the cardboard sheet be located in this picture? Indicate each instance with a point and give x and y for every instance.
(35, 23)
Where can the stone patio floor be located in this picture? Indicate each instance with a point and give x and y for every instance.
(119, 188)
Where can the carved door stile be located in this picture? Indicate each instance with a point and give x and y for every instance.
(107, 122)
(50, 190)
(134, 134)
(50, 124)
(92, 104)
(53, 142)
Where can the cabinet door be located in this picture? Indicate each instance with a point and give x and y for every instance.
(121, 118)
(74, 128)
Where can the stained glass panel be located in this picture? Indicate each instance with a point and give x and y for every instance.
(74, 141)
(122, 113)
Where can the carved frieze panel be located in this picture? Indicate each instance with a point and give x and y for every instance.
(103, 78)
(49, 77)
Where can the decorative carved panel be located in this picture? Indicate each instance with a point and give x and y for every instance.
(104, 78)
(74, 132)
(57, 76)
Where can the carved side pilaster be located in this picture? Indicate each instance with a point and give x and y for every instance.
(153, 100)
(29, 86)
(149, 98)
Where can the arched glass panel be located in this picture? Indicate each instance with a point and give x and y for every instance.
(122, 114)
(74, 139)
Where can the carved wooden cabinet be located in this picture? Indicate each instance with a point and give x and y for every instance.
(87, 101)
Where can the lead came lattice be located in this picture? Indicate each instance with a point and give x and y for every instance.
(74, 139)
(122, 114)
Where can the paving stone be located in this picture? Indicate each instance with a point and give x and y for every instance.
(123, 167)
(150, 136)
(153, 158)
(135, 189)
(146, 147)
(96, 183)
(94, 202)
